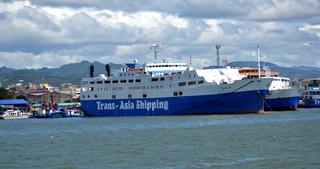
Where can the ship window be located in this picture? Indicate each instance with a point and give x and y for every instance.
(314, 93)
(123, 81)
(95, 96)
(154, 79)
(200, 82)
(144, 95)
(113, 96)
(91, 88)
(182, 83)
(180, 93)
(107, 81)
(88, 96)
(162, 79)
(83, 96)
(114, 81)
(175, 93)
(192, 83)
(138, 80)
(99, 82)
(167, 65)
(92, 82)
(129, 96)
(130, 80)
(120, 74)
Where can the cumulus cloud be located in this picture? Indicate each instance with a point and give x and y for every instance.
(245, 9)
(51, 33)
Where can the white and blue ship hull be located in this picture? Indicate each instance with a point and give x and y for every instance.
(311, 103)
(283, 99)
(185, 105)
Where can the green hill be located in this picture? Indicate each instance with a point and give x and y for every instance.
(69, 73)
(72, 73)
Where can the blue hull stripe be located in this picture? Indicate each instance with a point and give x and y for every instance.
(311, 103)
(288, 103)
(238, 102)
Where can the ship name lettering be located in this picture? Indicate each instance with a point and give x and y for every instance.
(106, 106)
(152, 105)
(126, 105)
(316, 101)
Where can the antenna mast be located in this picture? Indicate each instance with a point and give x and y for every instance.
(218, 55)
(258, 56)
(155, 47)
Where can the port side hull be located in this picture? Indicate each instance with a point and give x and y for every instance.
(237, 102)
(283, 99)
(279, 104)
(311, 103)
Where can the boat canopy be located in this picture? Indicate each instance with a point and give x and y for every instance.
(14, 102)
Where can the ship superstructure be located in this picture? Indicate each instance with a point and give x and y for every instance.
(311, 95)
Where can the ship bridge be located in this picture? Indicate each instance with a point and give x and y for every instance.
(164, 68)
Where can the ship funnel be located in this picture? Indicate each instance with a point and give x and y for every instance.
(108, 70)
(218, 55)
(91, 70)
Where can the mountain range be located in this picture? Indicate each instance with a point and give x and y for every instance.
(69, 73)
(72, 73)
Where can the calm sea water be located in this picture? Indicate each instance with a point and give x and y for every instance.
(273, 140)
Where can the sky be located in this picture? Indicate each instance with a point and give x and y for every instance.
(50, 33)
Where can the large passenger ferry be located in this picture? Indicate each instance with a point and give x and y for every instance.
(171, 89)
(282, 96)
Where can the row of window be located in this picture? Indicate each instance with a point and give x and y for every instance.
(157, 79)
(180, 93)
(313, 93)
(132, 80)
(130, 74)
(125, 81)
(282, 80)
(114, 96)
(190, 83)
(130, 88)
(117, 81)
(177, 93)
(146, 87)
(166, 66)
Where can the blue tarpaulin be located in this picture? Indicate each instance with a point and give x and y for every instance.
(13, 102)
